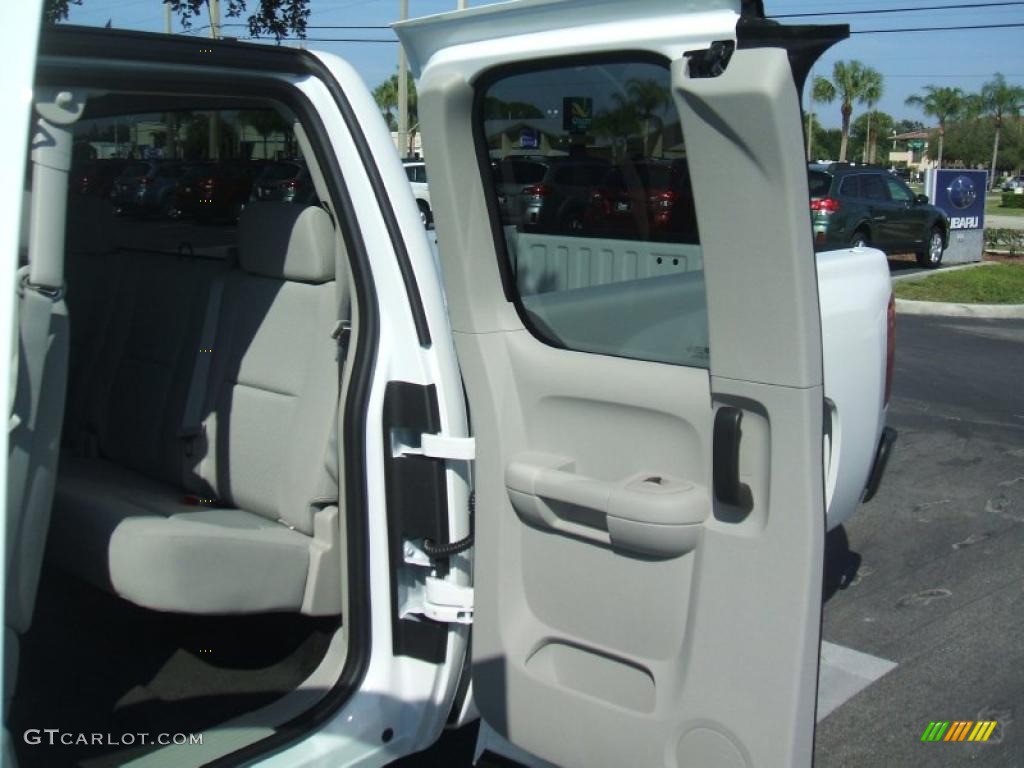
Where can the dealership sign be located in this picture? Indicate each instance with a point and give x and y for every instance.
(961, 195)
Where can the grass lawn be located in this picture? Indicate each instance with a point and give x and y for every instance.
(992, 205)
(995, 284)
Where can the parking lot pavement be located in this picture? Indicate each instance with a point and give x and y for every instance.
(939, 589)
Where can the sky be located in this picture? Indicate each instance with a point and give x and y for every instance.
(908, 61)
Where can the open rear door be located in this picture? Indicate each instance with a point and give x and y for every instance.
(629, 269)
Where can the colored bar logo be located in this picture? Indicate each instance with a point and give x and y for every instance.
(959, 730)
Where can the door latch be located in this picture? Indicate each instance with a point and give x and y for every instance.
(428, 595)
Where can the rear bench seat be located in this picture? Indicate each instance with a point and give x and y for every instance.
(240, 514)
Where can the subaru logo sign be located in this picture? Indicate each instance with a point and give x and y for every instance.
(962, 193)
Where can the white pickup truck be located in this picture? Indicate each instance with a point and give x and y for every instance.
(280, 470)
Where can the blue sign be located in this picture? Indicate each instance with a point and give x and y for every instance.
(529, 139)
(961, 195)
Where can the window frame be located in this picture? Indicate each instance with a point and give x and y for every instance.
(481, 85)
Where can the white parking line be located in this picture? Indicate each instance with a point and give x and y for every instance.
(844, 673)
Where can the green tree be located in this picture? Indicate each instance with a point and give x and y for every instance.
(276, 18)
(497, 109)
(907, 126)
(852, 82)
(386, 96)
(196, 145)
(821, 90)
(998, 101)
(649, 99)
(266, 122)
(867, 132)
(942, 103)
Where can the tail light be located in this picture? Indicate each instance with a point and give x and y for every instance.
(890, 346)
(662, 199)
(825, 205)
(537, 190)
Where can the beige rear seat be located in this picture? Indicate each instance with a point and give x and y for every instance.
(265, 534)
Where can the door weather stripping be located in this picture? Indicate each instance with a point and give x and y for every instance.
(428, 595)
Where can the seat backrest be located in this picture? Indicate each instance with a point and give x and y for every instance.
(273, 388)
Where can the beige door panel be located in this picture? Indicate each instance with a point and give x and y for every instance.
(624, 615)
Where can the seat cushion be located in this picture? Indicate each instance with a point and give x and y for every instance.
(139, 538)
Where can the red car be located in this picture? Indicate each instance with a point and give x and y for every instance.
(645, 199)
(96, 177)
(217, 190)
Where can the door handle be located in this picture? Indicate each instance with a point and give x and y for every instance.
(646, 512)
(726, 456)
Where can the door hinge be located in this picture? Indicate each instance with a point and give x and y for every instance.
(428, 595)
(404, 443)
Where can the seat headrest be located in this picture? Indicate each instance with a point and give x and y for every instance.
(286, 241)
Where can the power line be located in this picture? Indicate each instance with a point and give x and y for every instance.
(960, 6)
(324, 39)
(934, 29)
(334, 26)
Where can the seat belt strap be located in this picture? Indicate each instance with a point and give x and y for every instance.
(192, 420)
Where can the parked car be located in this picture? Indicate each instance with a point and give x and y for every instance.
(270, 520)
(416, 171)
(513, 176)
(96, 177)
(864, 205)
(148, 186)
(558, 202)
(286, 180)
(212, 191)
(1013, 183)
(645, 197)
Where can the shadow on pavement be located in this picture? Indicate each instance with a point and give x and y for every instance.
(841, 563)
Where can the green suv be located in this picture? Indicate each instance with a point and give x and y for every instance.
(857, 205)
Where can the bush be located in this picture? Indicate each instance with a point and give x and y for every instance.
(1011, 240)
(1012, 200)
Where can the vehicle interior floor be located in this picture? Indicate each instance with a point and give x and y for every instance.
(121, 669)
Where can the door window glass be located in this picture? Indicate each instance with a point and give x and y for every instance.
(898, 191)
(818, 183)
(850, 187)
(587, 170)
(872, 188)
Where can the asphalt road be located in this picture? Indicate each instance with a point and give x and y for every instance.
(939, 588)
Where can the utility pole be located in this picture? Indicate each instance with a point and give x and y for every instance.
(403, 88)
(214, 149)
(170, 119)
(462, 5)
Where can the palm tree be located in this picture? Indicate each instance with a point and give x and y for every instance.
(386, 96)
(648, 97)
(821, 90)
(944, 104)
(852, 82)
(1000, 100)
